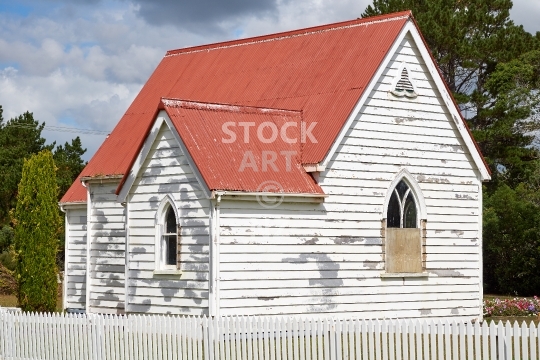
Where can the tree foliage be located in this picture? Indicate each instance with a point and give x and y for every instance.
(69, 163)
(492, 67)
(6, 238)
(20, 137)
(504, 127)
(36, 234)
(513, 248)
(7, 258)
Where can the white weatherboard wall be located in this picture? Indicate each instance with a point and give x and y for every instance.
(327, 258)
(166, 172)
(75, 267)
(106, 229)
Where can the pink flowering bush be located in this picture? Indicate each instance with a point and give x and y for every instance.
(512, 307)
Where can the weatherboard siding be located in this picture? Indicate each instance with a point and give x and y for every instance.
(75, 267)
(107, 249)
(328, 258)
(166, 171)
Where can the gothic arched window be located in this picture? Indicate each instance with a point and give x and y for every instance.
(401, 212)
(169, 238)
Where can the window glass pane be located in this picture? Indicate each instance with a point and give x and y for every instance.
(170, 243)
(401, 189)
(409, 213)
(170, 221)
(393, 216)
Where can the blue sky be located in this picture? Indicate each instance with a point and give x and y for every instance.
(80, 64)
(15, 8)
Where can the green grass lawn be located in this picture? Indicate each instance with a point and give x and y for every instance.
(11, 301)
(8, 300)
(491, 297)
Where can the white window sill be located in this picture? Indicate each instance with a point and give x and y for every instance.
(404, 275)
(167, 272)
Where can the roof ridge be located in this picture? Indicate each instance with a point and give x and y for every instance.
(190, 104)
(293, 33)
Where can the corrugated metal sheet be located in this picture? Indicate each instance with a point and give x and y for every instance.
(239, 162)
(321, 71)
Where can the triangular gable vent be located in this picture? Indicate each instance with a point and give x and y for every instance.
(404, 86)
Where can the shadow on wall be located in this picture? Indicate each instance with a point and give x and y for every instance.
(108, 260)
(329, 279)
(195, 259)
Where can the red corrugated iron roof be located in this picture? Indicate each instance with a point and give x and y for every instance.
(240, 148)
(321, 71)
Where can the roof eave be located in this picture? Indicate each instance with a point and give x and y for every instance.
(112, 177)
(272, 198)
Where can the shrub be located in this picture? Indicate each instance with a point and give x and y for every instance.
(8, 258)
(37, 224)
(6, 238)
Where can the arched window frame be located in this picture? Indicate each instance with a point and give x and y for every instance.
(416, 192)
(397, 78)
(160, 246)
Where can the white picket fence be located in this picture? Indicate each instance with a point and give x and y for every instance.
(100, 337)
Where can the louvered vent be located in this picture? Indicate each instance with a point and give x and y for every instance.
(404, 87)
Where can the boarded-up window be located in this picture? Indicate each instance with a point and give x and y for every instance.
(403, 236)
(403, 250)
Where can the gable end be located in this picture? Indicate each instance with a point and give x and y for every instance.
(129, 179)
(411, 28)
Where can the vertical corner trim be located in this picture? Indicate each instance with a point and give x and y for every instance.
(214, 298)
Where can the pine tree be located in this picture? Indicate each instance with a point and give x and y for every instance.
(37, 224)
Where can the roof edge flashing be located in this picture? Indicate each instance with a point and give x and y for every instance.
(189, 104)
(295, 33)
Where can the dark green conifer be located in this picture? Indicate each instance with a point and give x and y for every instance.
(36, 234)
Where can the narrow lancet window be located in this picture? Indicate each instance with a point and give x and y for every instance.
(170, 238)
(402, 212)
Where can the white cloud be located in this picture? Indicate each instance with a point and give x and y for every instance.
(305, 13)
(87, 103)
(526, 13)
